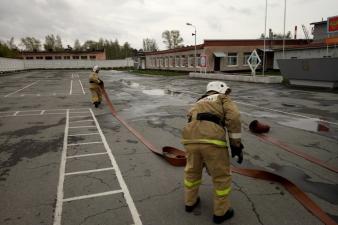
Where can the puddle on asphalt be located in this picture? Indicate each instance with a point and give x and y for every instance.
(157, 92)
(308, 124)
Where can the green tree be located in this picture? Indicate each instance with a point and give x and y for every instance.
(8, 52)
(149, 45)
(49, 44)
(167, 40)
(172, 39)
(11, 44)
(31, 44)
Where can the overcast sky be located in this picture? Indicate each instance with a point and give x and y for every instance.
(133, 20)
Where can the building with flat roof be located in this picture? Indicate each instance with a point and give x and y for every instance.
(220, 55)
(64, 55)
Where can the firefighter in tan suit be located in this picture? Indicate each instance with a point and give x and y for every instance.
(204, 137)
(94, 86)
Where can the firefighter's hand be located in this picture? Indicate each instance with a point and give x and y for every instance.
(237, 151)
(101, 83)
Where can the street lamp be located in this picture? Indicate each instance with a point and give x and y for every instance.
(193, 34)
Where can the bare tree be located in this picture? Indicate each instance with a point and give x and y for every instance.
(77, 45)
(31, 44)
(11, 44)
(149, 45)
(58, 43)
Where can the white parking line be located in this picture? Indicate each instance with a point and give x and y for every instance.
(79, 116)
(71, 87)
(92, 195)
(42, 112)
(86, 143)
(80, 127)
(74, 135)
(58, 207)
(89, 171)
(82, 87)
(21, 89)
(79, 121)
(127, 196)
(16, 113)
(86, 155)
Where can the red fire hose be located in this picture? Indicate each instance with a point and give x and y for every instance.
(177, 157)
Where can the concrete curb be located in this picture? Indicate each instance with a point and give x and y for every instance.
(244, 78)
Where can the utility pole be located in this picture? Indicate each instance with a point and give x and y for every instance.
(194, 34)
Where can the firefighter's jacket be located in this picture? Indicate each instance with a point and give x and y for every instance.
(94, 81)
(203, 131)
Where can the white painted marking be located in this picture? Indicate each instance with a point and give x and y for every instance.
(92, 195)
(21, 89)
(90, 171)
(73, 135)
(78, 116)
(78, 121)
(82, 86)
(72, 76)
(127, 196)
(71, 87)
(59, 202)
(79, 112)
(16, 113)
(80, 127)
(86, 155)
(38, 95)
(42, 112)
(292, 114)
(86, 143)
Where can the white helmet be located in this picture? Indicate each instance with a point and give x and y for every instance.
(218, 86)
(96, 68)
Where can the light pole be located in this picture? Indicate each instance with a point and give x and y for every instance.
(194, 34)
(266, 12)
(284, 29)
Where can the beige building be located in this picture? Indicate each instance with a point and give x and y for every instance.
(220, 55)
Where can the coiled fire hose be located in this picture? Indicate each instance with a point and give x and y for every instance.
(177, 157)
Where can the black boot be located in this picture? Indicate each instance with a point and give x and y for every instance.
(190, 208)
(220, 219)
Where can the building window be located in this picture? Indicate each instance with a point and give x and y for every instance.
(38, 57)
(84, 57)
(232, 59)
(66, 57)
(198, 56)
(191, 61)
(48, 57)
(57, 57)
(92, 57)
(166, 62)
(29, 57)
(246, 57)
(177, 61)
(76, 57)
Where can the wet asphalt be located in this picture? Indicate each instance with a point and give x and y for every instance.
(33, 116)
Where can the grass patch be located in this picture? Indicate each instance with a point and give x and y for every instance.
(159, 72)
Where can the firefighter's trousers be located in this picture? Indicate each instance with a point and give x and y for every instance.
(96, 94)
(216, 159)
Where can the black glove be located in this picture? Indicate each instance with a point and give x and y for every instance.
(101, 83)
(237, 151)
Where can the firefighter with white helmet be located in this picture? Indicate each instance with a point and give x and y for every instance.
(210, 120)
(94, 85)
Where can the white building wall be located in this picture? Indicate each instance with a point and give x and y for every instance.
(7, 64)
(18, 64)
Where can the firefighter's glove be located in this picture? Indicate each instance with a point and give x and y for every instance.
(101, 83)
(237, 151)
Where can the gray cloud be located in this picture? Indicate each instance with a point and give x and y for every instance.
(133, 20)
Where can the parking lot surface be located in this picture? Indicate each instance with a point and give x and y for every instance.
(63, 161)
